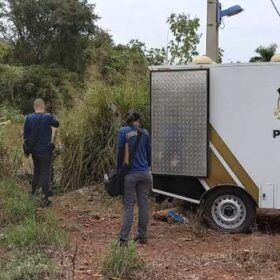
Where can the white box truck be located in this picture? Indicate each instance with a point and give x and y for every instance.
(216, 138)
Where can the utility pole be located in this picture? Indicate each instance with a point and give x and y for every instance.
(212, 37)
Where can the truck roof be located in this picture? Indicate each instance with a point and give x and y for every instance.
(206, 66)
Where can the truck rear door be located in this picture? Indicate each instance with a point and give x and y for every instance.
(179, 122)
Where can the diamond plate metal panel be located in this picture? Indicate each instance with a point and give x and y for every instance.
(179, 101)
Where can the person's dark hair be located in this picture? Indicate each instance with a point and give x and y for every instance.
(132, 116)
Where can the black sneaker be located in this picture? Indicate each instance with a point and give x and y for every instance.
(141, 240)
(50, 193)
(122, 242)
(46, 203)
(33, 192)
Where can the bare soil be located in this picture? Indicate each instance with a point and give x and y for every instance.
(175, 252)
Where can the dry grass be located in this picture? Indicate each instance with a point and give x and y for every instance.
(255, 258)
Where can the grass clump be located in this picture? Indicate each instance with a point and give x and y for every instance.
(120, 261)
(16, 205)
(33, 233)
(23, 227)
(25, 266)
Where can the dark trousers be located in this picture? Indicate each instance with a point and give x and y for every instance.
(137, 187)
(41, 174)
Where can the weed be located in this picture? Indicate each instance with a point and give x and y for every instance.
(33, 233)
(26, 266)
(120, 261)
(16, 205)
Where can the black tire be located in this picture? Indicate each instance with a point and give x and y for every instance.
(225, 203)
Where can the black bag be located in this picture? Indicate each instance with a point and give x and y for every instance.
(29, 142)
(114, 181)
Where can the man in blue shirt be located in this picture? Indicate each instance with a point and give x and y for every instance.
(134, 148)
(38, 126)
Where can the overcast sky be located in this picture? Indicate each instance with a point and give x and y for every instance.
(146, 20)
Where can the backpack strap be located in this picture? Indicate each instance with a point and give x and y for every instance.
(136, 145)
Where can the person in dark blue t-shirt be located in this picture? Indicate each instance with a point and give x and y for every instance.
(38, 125)
(138, 181)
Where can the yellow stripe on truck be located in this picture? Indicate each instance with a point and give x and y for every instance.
(217, 175)
(234, 165)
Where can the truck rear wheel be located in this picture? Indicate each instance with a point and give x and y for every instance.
(230, 210)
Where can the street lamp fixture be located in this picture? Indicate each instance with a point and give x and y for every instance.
(231, 11)
(214, 19)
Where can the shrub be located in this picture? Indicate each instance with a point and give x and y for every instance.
(10, 113)
(5, 52)
(120, 261)
(19, 86)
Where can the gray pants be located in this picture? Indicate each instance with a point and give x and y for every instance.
(136, 187)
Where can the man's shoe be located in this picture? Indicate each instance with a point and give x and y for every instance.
(33, 191)
(122, 242)
(141, 240)
(46, 203)
(50, 193)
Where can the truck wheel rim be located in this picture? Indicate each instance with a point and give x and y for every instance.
(228, 211)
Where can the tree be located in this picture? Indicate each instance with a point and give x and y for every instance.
(184, 45)
(156, 56)
(49, 31)
(220, 55)
(265, 53)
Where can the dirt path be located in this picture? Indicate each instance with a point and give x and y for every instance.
(175, 252)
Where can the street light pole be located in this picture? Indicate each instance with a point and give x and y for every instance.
(212, 38)
(214, 18)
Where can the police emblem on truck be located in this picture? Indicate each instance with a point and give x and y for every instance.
(276, 132)
(277, 110)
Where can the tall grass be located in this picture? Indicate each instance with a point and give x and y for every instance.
(88, 132)
(11, 155)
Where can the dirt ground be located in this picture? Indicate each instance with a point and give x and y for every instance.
(175, 252)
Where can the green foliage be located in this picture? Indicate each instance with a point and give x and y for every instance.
(28, 266)
(19, 86)
(120, 261)
(5, 52)
(16, 205)
(156, 56)
(10, 150)
(265, 53)
(220, 55)
(121, 63)
(34, 232)
(184, 45)
(59, 31)
(88, 131)
(10, 113)
(26, 236)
